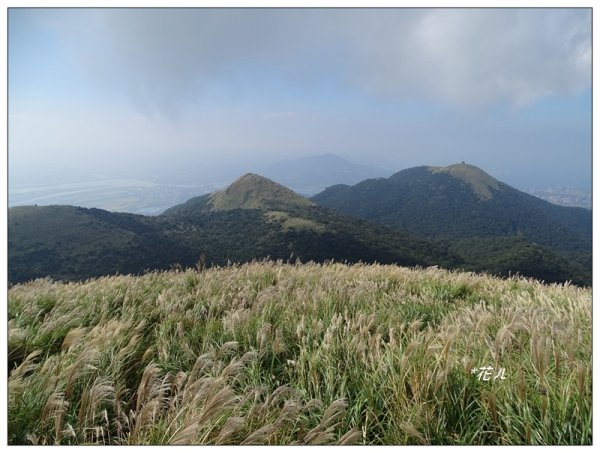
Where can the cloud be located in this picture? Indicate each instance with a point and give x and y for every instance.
(166, 59)
(485, 56)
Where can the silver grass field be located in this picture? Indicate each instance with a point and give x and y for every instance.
(300, 354)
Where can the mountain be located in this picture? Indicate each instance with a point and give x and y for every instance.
(250, 191)
(256, 217)
(312, 174)
(67, 242)
(462, 202)
(253, 218)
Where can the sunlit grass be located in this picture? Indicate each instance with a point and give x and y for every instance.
(273, 353)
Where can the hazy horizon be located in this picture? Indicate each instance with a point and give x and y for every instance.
(170, 95)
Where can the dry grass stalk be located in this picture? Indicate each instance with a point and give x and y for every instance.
(147, 385)
(260, 436)
(217, 404)
(186, 435)
(410, 429)
(278, 395)
(84, 364)
(581, 377)
(54, 410)
(351, 437)
(491, 401)
(101, 392)
(278, 346)
(229, 429)
(26, 366)
(323, 432)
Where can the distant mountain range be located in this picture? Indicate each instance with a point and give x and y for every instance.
(454, 217)
(312, 174)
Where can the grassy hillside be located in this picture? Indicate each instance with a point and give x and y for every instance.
(269, 353)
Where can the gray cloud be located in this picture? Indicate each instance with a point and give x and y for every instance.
(244, 84)
(484, 56)
(166, 58)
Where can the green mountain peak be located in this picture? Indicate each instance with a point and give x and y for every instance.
(252, 191)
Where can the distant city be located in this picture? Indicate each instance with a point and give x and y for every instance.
(564, 196)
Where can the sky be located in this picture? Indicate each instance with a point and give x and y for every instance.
(95, 91)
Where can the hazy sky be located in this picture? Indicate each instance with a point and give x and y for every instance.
(508, 90)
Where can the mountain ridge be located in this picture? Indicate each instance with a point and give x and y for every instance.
(461, 201)
(468, 184)
(255, 218)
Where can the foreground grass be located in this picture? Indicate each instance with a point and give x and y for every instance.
(270, 353)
